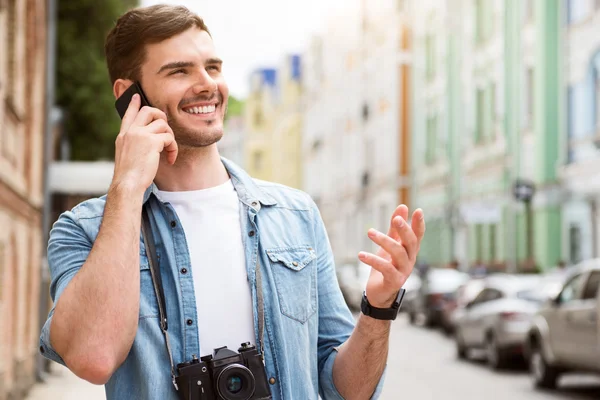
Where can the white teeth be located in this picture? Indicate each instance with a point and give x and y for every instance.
(201, 110)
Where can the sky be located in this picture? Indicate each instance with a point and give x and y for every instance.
(251, 34)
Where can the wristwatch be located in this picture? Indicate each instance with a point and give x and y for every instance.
(386, 314)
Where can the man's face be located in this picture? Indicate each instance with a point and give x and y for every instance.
(182, 77)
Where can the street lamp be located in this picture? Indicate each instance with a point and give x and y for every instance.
(523, 190)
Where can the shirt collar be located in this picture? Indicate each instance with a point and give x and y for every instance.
(248, 191)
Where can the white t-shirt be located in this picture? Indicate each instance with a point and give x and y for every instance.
(211, 222)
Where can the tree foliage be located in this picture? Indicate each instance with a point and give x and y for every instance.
(83, 86)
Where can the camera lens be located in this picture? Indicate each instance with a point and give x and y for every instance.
(235, 382)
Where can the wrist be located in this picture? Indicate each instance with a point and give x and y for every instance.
(126, 190)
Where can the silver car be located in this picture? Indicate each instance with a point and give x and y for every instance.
(499, 317)
(565, 333)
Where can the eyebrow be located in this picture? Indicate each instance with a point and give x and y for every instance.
(187, 64)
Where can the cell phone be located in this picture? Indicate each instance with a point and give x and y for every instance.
(122, 102)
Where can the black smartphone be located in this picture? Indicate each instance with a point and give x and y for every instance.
(122, 102)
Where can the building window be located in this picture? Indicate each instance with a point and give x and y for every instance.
(528, 11)
(578, 10)
(430, 154)
(575, 244)
(484, 21)
(528, 112)
(257, 160)
(365, 112)
(479, 116)
(493, 109)
(258, 117)
(430, 57)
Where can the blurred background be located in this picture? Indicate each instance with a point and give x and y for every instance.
(484, 113)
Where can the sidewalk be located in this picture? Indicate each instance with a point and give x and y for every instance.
(61, 384)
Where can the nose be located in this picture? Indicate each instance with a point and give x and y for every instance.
(205, 84)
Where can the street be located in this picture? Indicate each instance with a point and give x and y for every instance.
(422, 365)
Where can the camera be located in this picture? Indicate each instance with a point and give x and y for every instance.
(224, 375)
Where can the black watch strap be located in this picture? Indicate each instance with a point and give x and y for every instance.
(387, 314)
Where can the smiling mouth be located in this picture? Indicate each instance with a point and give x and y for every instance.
(201, 110)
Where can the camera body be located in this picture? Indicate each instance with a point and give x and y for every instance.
(224, 375)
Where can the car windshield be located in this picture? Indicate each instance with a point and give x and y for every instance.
(546, 290)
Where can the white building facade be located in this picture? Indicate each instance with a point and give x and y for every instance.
(353, 130)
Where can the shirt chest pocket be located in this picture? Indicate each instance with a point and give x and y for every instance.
(295, 276)
(148, 302)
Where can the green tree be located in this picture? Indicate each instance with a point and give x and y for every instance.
(83, 86)
(235, 107)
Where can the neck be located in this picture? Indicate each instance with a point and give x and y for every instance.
(195, 169)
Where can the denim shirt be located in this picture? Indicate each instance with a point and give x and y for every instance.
(306, 318)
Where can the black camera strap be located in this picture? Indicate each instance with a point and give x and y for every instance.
(160, 295)
(157, 283)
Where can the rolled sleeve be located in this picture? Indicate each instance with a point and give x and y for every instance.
(68, 248)
(45, 348)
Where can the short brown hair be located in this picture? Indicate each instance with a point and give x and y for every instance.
(125, 46)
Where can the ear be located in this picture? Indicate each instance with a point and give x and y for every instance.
(120, 86)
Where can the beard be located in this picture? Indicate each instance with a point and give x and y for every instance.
(206, 136)
(199, 137)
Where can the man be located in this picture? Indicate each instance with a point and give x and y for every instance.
(214, 227)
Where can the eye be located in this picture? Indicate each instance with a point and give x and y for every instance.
(213, 67)
(177, 71)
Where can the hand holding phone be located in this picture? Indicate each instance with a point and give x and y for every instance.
(144, 135)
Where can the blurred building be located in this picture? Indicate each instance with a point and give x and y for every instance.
(287, 131)
(580, 156)
(259, 120)
(273, 120)
(231, 146)
(23, 28)
(487, 112)
(356, 139)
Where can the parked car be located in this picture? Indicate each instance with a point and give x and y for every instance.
(438, 286)
(565, 333)
(498, 318)
(412, 285)
(352, 279)
(456, 306)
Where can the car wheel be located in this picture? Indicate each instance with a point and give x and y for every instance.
(461, 348)
(544, 376)
(496, 358)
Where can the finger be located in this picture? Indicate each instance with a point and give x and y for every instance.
(400, 211)
(407, 237)
(168, 145)
(147, 115)
(392, 247)
(386, 268)
(132, 111)
(158, 126)
(418, 224)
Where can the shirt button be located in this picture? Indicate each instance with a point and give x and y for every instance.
(190, 322)
(42, 349)
(184, 270)
(251, 233)
(272, 381)
(173, 224)
(295, 264)
(254, 204)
